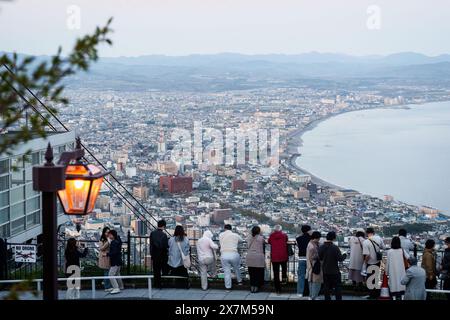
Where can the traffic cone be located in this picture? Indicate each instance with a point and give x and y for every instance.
(384, 290)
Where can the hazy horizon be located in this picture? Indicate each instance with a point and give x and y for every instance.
(188, 27)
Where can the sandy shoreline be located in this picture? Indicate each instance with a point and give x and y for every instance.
(294, 142)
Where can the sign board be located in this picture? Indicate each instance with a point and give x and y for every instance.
(25, 253)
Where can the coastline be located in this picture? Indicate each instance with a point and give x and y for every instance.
(294, 142)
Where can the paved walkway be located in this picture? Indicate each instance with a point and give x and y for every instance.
(179, 294)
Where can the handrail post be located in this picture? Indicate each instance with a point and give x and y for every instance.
(149, 280)
(128, 252)
(93, 288)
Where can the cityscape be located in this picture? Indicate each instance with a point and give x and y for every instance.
(143, 150)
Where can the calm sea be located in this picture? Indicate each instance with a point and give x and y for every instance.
(401, 152)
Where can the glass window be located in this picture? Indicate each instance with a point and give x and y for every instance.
(17, 194)
(4, 199)
(17, 210)
(35, 159)
(33, 219)
(4, 183)
(4, 215)
(4, 166)
(17, 178)
(28, 174)
(17, 226)
(33, 204)
(4, 231)
(17, 163)
(29, 192)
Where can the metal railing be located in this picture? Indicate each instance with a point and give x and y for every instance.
(136, 260)
(149, 278)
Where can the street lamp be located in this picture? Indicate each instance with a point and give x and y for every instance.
(77, 185)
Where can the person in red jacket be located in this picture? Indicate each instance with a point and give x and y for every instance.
(279, 255)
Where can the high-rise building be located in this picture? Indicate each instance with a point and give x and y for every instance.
(20, 205)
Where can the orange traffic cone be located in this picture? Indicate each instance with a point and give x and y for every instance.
(384, 290)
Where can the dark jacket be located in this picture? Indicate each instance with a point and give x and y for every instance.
(115, 252)
(446, 260)
(278, 242)
(302, 243)
(159, 244)
(73, 257)
(330, 255)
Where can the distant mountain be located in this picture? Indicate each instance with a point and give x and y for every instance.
(233, 71)
(404, 58)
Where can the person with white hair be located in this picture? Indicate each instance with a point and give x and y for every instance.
(279, 256)
(206, 253)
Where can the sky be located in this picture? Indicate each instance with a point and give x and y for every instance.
(181, 27)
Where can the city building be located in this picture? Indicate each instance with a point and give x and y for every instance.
(20, 205)
(175, 184)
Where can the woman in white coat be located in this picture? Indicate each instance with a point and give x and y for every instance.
(395, 268)
(356, 258)
(206, 252)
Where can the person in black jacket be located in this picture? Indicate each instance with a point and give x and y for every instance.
(302, 244)
(159, 244)
(72, 255)
(331, 255)
(446, 267)
(115, 257)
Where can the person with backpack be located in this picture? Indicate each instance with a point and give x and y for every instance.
(159, 245)
(330, 256)
(313, 267)
(372, 251)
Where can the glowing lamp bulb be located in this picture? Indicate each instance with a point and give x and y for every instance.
(78, 184)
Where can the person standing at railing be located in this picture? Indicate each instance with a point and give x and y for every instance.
(159, 246)
(429, 264)
(395, 268)
(407, 244)
(414, 281)
(103, 259)
(72, 255)
(278, 241)
(445, 267)
(229, 255)
(255, 259)
(313, 266)
(373, 255)
(302, 244)
(178, 251)
(356, 258)
(115, 257)
(206, 253)
(330, 255)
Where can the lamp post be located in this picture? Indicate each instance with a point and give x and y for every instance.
(77, 185)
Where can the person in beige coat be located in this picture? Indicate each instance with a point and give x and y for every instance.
(103, 259)
(314, 274)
